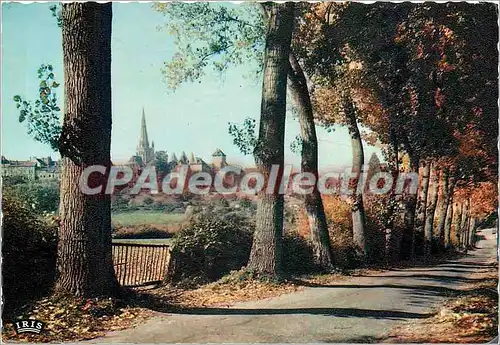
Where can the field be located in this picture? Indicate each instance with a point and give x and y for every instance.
(146, 218)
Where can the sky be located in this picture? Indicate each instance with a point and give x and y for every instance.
(192, 119)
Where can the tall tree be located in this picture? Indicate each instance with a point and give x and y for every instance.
(241, 42)
(265, 256)
(431, 209)
(162, 164)
(447, 186)
(85, 266)
(313, 203)
(358, 159)
(448, 223)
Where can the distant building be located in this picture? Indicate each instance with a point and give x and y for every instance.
(32, 169)
(144, 151)
(219, 159)
(145, 155)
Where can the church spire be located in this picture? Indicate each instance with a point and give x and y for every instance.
(143, 140)
(143, 149)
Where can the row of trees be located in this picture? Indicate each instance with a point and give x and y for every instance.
(420, 79)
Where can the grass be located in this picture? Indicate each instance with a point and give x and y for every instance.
(147, 218)
(143, 240)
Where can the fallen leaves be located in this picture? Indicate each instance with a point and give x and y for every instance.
(74, 319)
(471, 317)
(227, 291)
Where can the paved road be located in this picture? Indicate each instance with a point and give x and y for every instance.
(359, 310)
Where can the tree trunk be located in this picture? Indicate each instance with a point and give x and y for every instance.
(458, 222)
(431, 209)
(393, 202)
(358, 159)
(472, 232)
(314, 205)
(421, 209)
(448, 223)
(85, 265)
(265, 256)
(447, 185)
(464, 224)
(408, 241)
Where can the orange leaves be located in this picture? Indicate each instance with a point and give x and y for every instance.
(470, 143)
(439, 98)
(303, 224)
(326, 104)
(338, 211)
(444, 66)
(484, 199)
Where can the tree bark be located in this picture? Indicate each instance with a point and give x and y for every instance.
(394, 158)
(447, 185)
(464, 224)
(421, 209)
(472, 232)
(448, 223)
(408, 240)
(265, 256)
(85, 265)
(358, 159)
(313, 203)
(458, 222)
(431, 209)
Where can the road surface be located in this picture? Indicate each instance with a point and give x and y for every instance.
(360, 310)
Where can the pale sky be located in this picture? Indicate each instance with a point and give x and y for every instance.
(194, 118)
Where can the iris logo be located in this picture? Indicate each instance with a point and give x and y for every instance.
(28, 326)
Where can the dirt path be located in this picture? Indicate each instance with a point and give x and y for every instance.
(361, 309)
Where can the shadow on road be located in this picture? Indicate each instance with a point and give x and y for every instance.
(441, 269)
(359, 340)
(336, 312)
(443, 278)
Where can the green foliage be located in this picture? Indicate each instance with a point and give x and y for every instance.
(40, 197)
(244, 137)
(208, 248)
(56, 13)
(296, 145)
(9, 181)
(29, 246)
(140, 232)
(43, 114)
(119, 203)
(209, 35)
(148, 201)
(247, 204)
(161, 163)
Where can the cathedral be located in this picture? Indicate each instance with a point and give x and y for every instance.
(145, 155)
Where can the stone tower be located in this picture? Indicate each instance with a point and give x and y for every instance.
(219, 159)
(144, 151)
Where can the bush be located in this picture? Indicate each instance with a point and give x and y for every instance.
(41, 197)
(29, 249)
(119, 203)
(208, 248)
(148, 201)
(246, 203)
(297, 255)
(383, 213)
(139, 232)
(338, 214)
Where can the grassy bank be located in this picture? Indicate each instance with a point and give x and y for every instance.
(146, 218)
